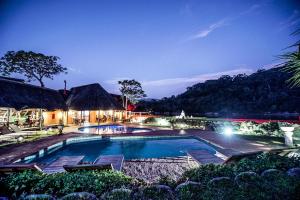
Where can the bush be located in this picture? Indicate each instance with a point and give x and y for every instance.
(220, 188)
(118, 194)
(165, 180)
(189, 190)
(266, 161)
(18, 184)
(79, 196)
(60, 184)
(39, 197)
(205, 173)
(157, 192)
(273, 184)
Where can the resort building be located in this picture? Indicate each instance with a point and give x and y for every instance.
(91, 104)
(26, 105)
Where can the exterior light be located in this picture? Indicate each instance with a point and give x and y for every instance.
(60, 115)
(163, 122)
(228, 131)
(288, 135)
(44, 115)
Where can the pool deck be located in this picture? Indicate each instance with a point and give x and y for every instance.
(15, 152)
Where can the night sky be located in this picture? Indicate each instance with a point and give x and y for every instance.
(166, 45)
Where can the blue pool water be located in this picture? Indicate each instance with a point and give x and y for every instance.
(130, 147)
(112, 129)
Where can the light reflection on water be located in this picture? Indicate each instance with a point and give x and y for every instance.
(112, 129)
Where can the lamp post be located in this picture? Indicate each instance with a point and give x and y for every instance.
(288, 135)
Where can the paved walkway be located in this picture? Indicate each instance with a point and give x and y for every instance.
(15, 152)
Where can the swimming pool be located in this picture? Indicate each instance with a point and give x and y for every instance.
(113, 129)
(130, 147)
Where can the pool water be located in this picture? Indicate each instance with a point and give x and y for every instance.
(112, 129)
(130, 147)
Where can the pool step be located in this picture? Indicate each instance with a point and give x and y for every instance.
(57, 165)
(115, 160)
(204, 157)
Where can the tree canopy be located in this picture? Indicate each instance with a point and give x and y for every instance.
(292, 62)
(34, 66)
(132, 90)
(258, 93)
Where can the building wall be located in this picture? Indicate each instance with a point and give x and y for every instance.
(70, 117)
(52, 117)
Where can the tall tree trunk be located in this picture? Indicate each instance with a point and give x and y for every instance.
(123, 102)
(40, 110)
(126, 105)
(40, 119)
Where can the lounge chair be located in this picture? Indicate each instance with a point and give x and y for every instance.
(115, 160)
(73, 168)
(58, 165)
(11, 168)
(4, 130)
(15, 128)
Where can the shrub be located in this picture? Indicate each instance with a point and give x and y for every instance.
(18, 184)
(60, 184)
(166, 180)
(273, 184)
(220, 188)
(157, 192)
(266, 161)
(205, 173)
(39, 197)
(189, 190)
(79, 196)
(118, 194)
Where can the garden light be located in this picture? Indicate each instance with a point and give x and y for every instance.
(228, 131)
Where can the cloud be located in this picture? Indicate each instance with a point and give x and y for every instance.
(115, 80)
(223, 22)
(74, 70)
(195, 79)
(211, 28)
(292, 20)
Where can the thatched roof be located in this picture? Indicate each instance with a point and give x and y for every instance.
(19, 95)
(91, 97)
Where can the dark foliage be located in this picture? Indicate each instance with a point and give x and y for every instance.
(260, 92)
(61, 184)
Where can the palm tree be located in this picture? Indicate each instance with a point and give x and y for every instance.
(292, 63)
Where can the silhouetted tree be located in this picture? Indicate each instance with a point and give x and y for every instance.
(292, 62)
(34, 66)
(131, 90)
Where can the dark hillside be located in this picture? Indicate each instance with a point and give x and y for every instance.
(261, 92)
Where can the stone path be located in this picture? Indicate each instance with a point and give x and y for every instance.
(152, 169)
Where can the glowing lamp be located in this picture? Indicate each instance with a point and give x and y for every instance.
(228, 131)
(288, 135)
